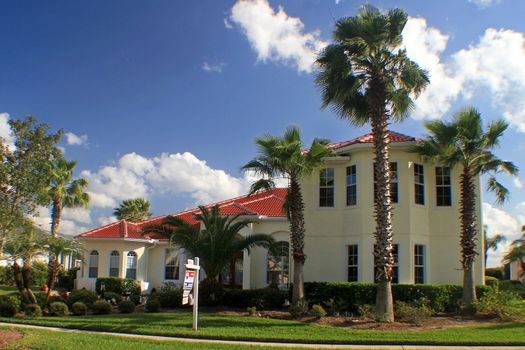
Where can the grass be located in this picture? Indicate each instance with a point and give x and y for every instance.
(6, 290)
(43, 340)
(215, 326)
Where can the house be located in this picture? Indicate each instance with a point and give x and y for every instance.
(339, 227)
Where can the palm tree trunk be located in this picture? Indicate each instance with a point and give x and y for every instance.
(17, 273)
(53, 260)
(53, 272)
(26, 273)
(296, 208)
(384, 308)
(468, 238)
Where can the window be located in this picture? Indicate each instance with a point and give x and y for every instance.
(171, 264)
(353, 264)
(326, 187)
(114, 263)
(131, 265)
(93, 264)
(394, 193)
(351, 185)
(443, 187)
(419, 264)
(278, 267)
(419, 184)
(395, 268)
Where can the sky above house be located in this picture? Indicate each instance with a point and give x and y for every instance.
(163, 99)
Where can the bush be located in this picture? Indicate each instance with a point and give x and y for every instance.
(126, 307)
(366, 311)
(412, 312)
(299, 310)
(7, 309)
(79, 309)
(58, 309)
(54, 298)
(101, 307)
(12, 299)
(503, 304)
(153, 305)
(513, 286)
(39, 274)
(252, 311)
(66, 278)
(170, 295)
(121, 286)
(496, 272)
(113, 298)
(489, 280)
(262, 299)
(86, 296)
(6, 276)
(33, 310)
(135, 298)
(211, 292)
(317, 311)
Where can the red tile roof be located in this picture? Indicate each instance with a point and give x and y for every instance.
(369, 138)
(268, 203)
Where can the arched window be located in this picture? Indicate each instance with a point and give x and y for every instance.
(93, 264)
(278, 266)
(114, 264)
(171, 264)
(131, 265)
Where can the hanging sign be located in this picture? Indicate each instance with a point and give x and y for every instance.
(187, 286)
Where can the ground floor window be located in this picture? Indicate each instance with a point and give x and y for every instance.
(93, 264)
(231, 275)
(419, 264)
(171, 264)
(353, 263)
(395, 268)
(278, 265)
(114, 263)
(131, 265)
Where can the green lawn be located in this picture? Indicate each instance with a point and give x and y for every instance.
(43, 340)
(4, 290)
(217, 326)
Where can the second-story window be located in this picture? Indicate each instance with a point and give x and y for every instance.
(419, 184)
(394, 191)
(443, 187)
(351, 185)
(326, 187)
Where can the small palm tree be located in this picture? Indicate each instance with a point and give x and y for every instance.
(463, 142)
(491, 243)
(216, 244)
(367, 78)
(134, 210)
(284, 157)
(517, 252)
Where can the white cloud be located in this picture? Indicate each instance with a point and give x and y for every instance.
(504, 223)
(276, 36)
(517, 182)
(227, 24)
(214, 68)
(75, 140)
(73, 221)
(485, 3)
(5, 130)
(105, 220)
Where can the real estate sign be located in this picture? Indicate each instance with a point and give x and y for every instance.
(187, 286)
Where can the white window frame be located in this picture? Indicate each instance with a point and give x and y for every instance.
(112, 261)
(177, 265)
(352, 184)
(131, 264)
(417, 183)
(326, 187)
(94, 261)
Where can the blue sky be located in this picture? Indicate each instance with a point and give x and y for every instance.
(163, 99)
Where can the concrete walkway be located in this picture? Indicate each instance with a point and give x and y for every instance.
(255, 343)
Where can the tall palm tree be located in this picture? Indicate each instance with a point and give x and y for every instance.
(63, 192)
(463, 142)
(216, 244)
(366, 78)
(491, 243)
(134, 210)
(517, 252)
(284, 157)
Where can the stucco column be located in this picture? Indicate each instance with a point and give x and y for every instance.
(246, 269)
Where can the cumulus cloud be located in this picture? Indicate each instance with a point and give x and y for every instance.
(504, 223)
(517, 182)
(73, 221)
(485, 3)
(276, 36)
(213, 68)
(5, 130)
(75, 140)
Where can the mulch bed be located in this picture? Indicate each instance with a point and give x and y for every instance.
(9, 336)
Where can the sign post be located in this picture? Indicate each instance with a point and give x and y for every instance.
(191, 281)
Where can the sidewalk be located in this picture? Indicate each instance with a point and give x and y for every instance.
(255, 343)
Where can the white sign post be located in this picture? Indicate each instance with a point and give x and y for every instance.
(191, 280)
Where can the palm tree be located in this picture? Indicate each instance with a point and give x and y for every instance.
(463, 142)
(491, 243)
(56, 247)
(284, 157)
(517, 253)
(216, 244)
(63, 192)
(366, 78)
(134, 210)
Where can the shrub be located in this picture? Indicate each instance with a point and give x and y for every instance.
(266, 298)
(366, 311)
(58, 309)
(489, 280)
(101, 307)
(54, 298)
(513, 286)
(135, 298)
(113, 298)
(317, 311)
(496, 272)
(252, 311)
(126, 307)
(153, 305)
(79, 309)
(299, 310)
(86, 296)
(39, 274)
(412, 312)
(503, 304)
(6, 276)
(7, 309)
(211, 292)
(121, 286)
(170, 295)
(33, 310)
(12, 299)
(66, 278)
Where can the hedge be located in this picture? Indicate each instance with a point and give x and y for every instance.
(266, 298)
(118, 285)
(443, 297)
